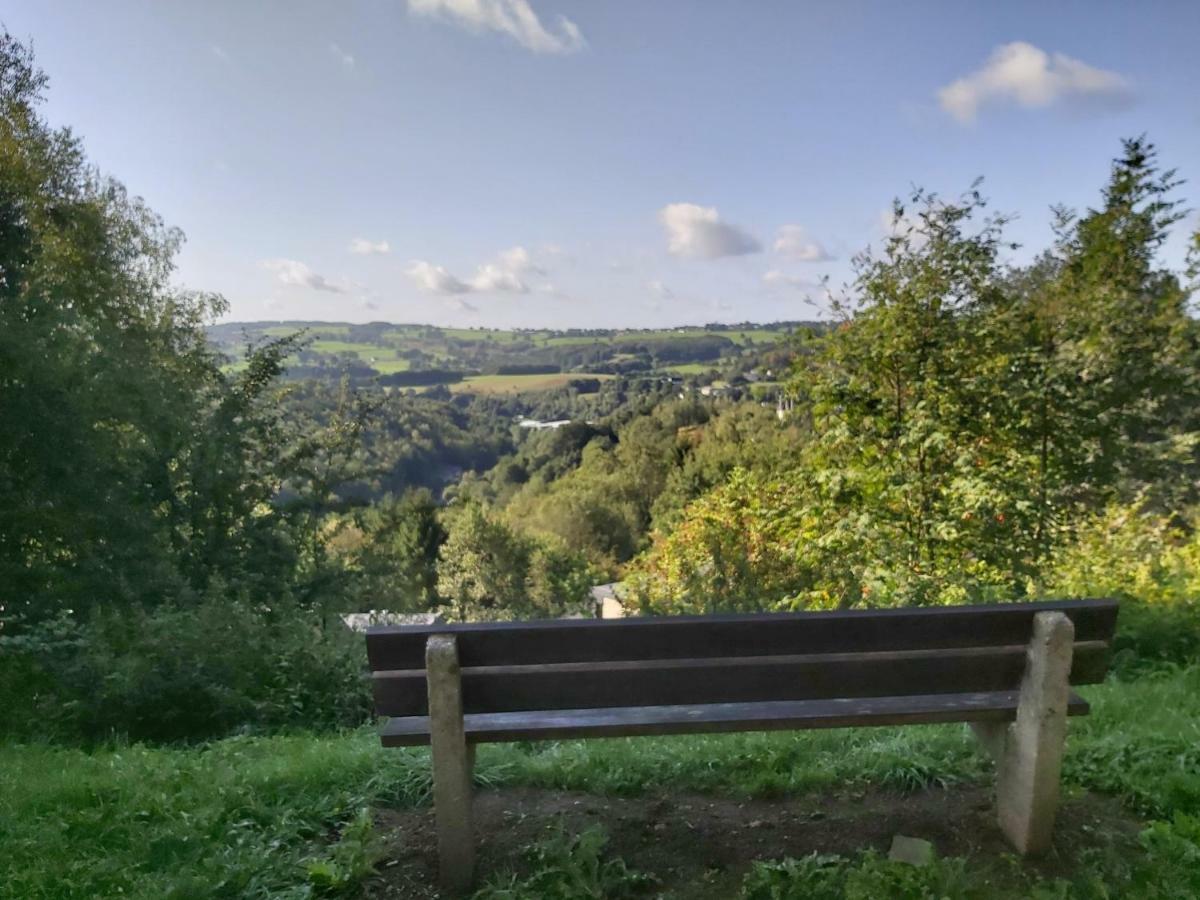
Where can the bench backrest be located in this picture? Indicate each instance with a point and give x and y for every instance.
(587, 664)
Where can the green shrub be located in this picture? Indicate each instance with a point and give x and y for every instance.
(1152, 636)
(181, 673)
(1152, 565)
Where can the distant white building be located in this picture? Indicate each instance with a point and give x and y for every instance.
(534, 423)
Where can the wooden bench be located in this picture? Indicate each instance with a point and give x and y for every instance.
(1005, 668)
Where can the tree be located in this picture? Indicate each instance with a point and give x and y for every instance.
(132, 469)
(487, 570)
(1119, 324)
(99, 361)
(559, 580)
(398, 558)
(900, 407)
(482, 568)
(735, 548)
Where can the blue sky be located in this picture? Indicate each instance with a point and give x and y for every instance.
(595, 162)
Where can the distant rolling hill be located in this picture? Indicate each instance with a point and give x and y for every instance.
(489, 360)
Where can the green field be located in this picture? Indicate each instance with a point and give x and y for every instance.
(330, 346)
(753, 336)
(691, 368)
(388, 366)
(518, 384)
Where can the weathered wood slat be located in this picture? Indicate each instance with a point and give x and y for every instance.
(721, 717)
(669, 682)
(682, 637)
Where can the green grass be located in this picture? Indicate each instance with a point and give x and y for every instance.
(240, 818)
(753, 336)
(283, 816)
(388, 366)
(516, 384)
(691, 368)
(325, 345)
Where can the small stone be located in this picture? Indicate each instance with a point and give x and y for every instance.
(660, 826)
(911, 850)
(757, 823)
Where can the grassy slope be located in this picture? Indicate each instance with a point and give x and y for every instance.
(282, 816)
(691, 368)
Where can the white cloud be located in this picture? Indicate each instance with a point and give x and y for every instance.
(346, 59)
(1032, 78)
(364, 247)
(493, 278)
(435, 279)
(293, 272)
(506, 274)
(794, 241)
(514, 18)
(699, 232)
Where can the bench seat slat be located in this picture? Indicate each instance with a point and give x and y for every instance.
(996, 706)
(751, 634)
(656, 683)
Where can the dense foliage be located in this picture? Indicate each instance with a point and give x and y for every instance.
(966, 418)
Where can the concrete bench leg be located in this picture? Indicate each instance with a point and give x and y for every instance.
(453, 760)
(1029, 751)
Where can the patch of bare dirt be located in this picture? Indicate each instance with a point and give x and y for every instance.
(701, 847)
